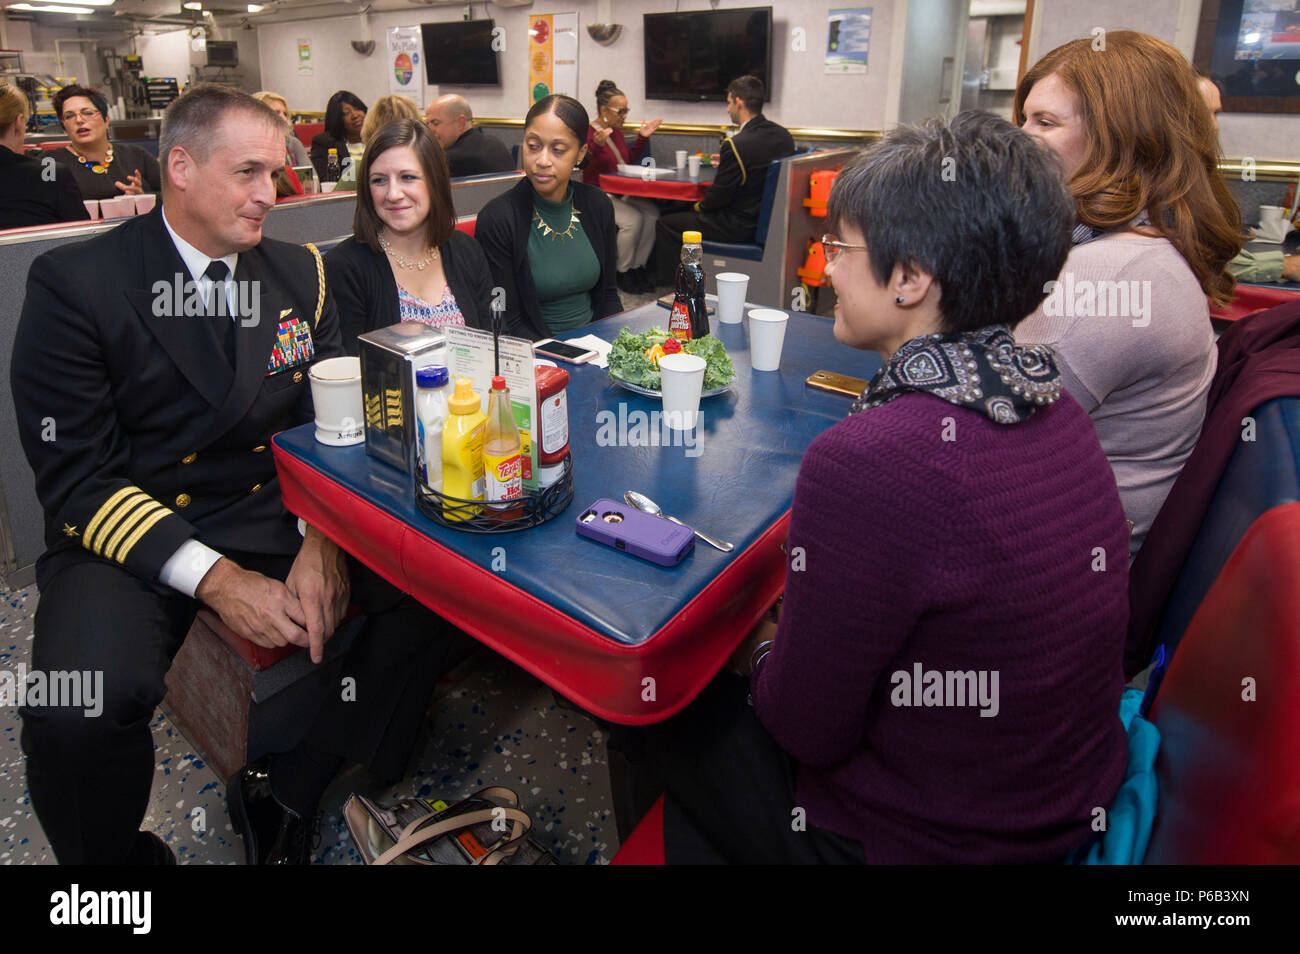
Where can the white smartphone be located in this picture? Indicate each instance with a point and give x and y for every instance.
(563, 351)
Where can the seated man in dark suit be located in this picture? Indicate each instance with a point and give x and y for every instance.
(147, 423)
(470, 151)
(729, 210)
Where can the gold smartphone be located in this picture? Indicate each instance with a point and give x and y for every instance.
(836, 383)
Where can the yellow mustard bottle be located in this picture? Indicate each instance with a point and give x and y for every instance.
(462, 448)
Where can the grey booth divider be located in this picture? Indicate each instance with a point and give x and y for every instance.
(321, 219)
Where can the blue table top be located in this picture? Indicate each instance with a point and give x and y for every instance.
(734, 476)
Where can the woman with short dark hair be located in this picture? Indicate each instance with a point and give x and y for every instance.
(942, 680)
(406, 261)
(550, 240)
(101, 169)
(345, 114)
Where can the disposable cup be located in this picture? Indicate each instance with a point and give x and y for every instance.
(92, 206)
(681, 158)
(693, 166)
(731, 297)
(328, 186)
(336, 397)
(766, 336)
(681, 377)
(144, 202)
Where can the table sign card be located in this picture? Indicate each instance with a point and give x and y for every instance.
(470, 355)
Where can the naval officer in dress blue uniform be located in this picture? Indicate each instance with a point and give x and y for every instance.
(148, 430)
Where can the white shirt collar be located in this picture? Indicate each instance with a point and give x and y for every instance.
(744, 124)
(194, 260)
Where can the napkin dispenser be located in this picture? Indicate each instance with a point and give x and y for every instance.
(389, 359)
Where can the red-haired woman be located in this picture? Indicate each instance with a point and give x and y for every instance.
(1129, 316)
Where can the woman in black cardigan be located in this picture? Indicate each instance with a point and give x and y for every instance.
(549, 241)
(405, 260)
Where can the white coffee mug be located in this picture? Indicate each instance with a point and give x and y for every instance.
(336, 398)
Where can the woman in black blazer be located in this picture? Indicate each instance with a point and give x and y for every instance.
(345, 114)
(550, 241)
(32, 192)
(405, 260)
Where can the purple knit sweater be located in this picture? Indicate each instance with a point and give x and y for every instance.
(973, 553)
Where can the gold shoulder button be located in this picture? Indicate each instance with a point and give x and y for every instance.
(256, 488)
(182, 500)
(259, 448)
(297, 377)
(189, 458)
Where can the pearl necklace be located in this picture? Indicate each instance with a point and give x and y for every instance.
(403, 263)
(100, 168)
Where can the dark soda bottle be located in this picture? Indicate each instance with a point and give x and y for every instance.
(690, 315)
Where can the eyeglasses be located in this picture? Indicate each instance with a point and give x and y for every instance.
(618, 112)
(84, 114)
(833, 248)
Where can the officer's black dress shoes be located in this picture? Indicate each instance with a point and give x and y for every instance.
(272, 833)
(149, 849)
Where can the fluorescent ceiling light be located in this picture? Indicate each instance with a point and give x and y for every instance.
(33, 8)
(192, 5)
(255, 8)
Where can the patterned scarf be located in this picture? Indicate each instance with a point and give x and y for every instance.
(983, 370)
(1083, 234)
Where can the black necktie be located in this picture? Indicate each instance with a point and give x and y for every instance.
(218, 271)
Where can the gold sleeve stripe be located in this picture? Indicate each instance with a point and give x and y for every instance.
(743, 175)
(128, 524)
(104, 516)
(140, 531)
(320, 283)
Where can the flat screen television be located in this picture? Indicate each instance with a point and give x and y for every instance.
(693, 56)
(459, 53)
(223, 53)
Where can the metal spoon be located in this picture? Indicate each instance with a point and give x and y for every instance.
(644, 503)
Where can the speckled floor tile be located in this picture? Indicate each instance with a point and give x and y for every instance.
(501, 726)
(493, 725)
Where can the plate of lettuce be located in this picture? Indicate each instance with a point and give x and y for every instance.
(633, 361)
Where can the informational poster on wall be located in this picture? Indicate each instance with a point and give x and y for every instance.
(848, 37)
(304, 57)
(552, 55)
(405, 74)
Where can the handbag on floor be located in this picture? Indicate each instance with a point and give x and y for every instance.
(487, 828)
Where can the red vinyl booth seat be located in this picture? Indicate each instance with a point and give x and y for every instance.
(645, 846)
(1229, 769)
(305, 132)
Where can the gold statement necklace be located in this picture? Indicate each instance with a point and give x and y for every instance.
(555, 235)
(100, 168)
(403, 263)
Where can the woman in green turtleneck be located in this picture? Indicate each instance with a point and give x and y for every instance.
(550, 241)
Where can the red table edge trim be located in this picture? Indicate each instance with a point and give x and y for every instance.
(653, 188)
(647, 652)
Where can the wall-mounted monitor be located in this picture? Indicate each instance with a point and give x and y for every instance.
(693, 56)
(223, 53)
(459, 53)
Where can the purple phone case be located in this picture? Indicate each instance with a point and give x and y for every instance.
(640, 534)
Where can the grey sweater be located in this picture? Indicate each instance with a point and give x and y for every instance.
(1131, 328)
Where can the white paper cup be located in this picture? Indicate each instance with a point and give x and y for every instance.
(336, 398)
(766, 336)
(1268, 214)
(681, 158)
(693, 166)
(682, 379)
(731, 297)
(144, 202)
(328, 186)
(117, 207)
(92, 206)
